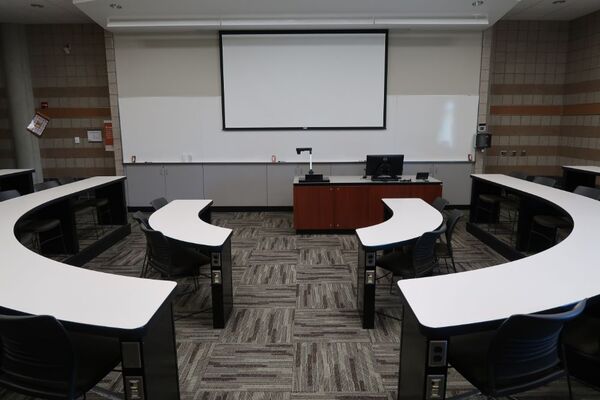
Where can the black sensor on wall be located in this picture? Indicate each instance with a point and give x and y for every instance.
(302, 32)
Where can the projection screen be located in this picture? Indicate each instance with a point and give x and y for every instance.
(303, 80)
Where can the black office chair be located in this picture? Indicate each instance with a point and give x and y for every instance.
(39, 358)
(170, 260)
(9, 194)
(142, 220)
(86, 204)
(416, 262)
(547, 226)
(544, 180)
(439, 203)
(523, 354)
(29, 230)
(493, 204)
(38, 187)
(159, 203)
(444, 249)
(581, 341)
(591, 192)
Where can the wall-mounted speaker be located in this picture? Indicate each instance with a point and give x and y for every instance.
(483, 141)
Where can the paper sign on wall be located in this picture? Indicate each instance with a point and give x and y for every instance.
(94, 136)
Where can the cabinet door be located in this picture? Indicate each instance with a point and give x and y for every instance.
(378, 192)
(351, 207)
(427, 192)
(144, 184)
(313, 207)
(184, 181)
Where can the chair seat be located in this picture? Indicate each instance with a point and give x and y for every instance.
(551, 221)
(583, 335)
(491, 198)
(39, 225)
(397, 262)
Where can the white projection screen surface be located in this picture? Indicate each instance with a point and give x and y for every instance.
(304, 80)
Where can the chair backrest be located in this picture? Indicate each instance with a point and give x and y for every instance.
(65, 180)
(439, 203)
(526, 346)
(36, 357)
(141, 219)
(587, 191)
(159, 203)
(453, 218)
(159, 254)
(519, 175)
(423, 253)
(544, 180)
(9, 194)
(45, 185)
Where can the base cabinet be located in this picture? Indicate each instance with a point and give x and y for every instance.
(331, 207)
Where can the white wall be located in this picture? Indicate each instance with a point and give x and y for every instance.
(170, 107)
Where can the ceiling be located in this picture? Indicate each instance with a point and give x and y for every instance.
(547, 10)
(144, 15)
(237, 14)
(53, 12)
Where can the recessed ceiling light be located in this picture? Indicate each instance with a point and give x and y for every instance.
(116, 6)
(559, 1)
(37, 5)
(477, 3)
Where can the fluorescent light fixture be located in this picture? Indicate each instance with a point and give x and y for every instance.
(297, 22)
(180, 23)
(431, 21)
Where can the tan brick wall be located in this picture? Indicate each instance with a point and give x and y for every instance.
(75, 86)
(7, 159)
(545, 95)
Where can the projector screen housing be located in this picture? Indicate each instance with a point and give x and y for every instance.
(304, 80)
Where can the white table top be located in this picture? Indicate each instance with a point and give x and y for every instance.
(585, 168)
(349, 179)
(180, 220)
(6, 172)
(563, 274)
(411, 218)
(34, 284)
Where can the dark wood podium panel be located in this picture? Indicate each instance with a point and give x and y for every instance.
(313, 207)
(332, 206)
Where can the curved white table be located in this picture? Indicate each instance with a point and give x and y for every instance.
(18, 179)
(576, 175)
(133, 309)
(182, 220)
(408, 220)
(440, 306)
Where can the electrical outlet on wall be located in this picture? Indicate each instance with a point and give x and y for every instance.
(77, 140)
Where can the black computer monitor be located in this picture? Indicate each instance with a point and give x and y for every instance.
(384, 164)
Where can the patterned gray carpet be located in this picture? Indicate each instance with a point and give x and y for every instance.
(294, 333)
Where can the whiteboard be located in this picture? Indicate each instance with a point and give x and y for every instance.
(189, 129)
(303, 80)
